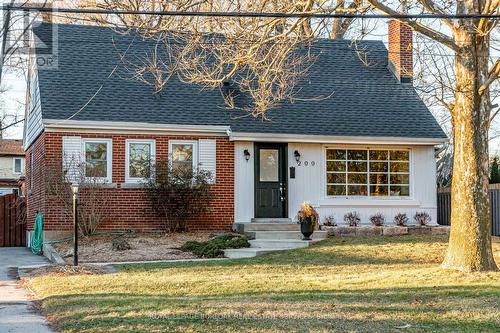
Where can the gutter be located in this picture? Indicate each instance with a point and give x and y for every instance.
(83, 126)
(272, 137)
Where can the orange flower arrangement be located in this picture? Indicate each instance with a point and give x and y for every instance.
(307, 212)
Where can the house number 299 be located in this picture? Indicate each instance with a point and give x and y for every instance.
(306, 163)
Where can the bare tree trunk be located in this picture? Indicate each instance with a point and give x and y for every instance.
(470, 238)
(337, 31)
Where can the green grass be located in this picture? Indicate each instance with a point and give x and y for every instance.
(339, 285)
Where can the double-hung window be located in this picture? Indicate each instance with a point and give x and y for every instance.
(18, 165)
(97, 155)
(140, 156)
(368, 172)
(184, 155)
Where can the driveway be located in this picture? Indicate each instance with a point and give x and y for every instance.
(15, 313)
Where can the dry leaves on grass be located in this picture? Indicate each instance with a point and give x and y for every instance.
(65, 270)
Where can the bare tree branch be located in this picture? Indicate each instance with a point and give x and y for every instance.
(431, 6)
(419, 27)
(493, 74)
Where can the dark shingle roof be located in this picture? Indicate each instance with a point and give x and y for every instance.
(365, 100)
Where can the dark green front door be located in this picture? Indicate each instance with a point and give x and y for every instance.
(270, 180)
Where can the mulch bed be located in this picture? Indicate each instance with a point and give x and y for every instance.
(143, 247)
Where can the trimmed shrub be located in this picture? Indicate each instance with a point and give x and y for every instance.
(215, 246)
(178, 194)
(401, 219)
(377, 219)
(352, 219)
(329, 221)
(422, 218)
(120, 244)
(190, 246)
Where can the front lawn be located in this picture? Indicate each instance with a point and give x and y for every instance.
(378, 284)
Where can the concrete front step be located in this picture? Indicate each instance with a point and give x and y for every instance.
(271, 235)
(245, 227)
(279, 244)
(271, 220)
(279, 235)
(246, 252)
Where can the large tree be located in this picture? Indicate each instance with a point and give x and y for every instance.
(469, 38)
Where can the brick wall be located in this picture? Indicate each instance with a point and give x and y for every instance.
(128, 207)
(35, 185)
(401, 48)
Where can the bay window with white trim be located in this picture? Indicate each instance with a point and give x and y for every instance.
(368, 172)
(139, 157)
(97, 154)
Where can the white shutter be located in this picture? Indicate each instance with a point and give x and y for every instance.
(207, 156)
(72, 158)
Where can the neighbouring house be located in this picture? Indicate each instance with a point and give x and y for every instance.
(367, 147)
(11, 166)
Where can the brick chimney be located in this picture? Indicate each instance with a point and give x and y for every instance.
(401, 51)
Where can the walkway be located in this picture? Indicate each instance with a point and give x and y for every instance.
(15, 313)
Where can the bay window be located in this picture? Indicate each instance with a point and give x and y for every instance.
(368, 172)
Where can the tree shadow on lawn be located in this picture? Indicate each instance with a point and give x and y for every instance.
(444, 309)
(337, 251)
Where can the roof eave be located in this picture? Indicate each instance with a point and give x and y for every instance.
(325, 139)
(84, 126)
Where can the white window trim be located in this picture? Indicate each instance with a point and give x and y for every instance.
(109, 158)
(184, 142)
(363, 200)
(14, 166)
(128, 142)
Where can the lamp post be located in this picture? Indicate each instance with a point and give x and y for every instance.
(74, 188)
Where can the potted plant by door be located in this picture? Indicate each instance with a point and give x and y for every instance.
(307, 217)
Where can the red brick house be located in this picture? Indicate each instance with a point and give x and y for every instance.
(369, 147)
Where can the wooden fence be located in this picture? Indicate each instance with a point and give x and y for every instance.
(12, 221)
(444, 207)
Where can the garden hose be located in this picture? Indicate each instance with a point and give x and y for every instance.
(116, 233)
(55, 241)
(36, 241)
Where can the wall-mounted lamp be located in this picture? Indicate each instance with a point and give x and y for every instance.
(246, 153)
(297, 155)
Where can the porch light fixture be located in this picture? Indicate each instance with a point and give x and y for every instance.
(246, 153)
(297, 155)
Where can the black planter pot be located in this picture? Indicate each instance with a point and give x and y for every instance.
(307, 228)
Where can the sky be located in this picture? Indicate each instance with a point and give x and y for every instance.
(12, 100)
